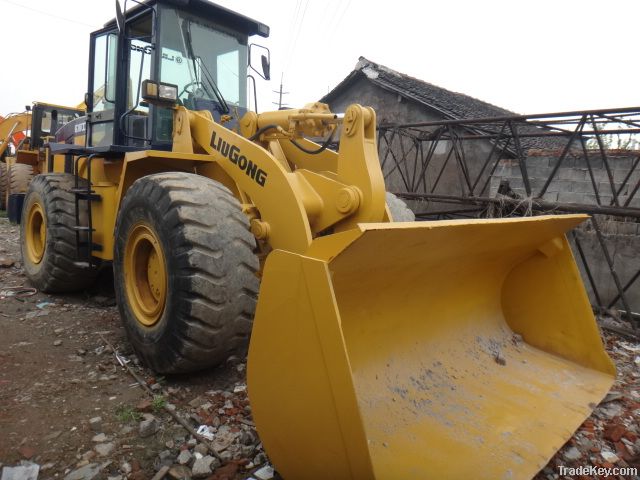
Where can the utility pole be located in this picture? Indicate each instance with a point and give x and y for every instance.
(280, 93)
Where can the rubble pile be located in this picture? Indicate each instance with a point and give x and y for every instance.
(611, 436)
(226, 446)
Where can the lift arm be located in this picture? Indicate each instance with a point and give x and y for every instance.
(296, 196)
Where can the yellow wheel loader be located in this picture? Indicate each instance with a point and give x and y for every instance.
(28, 132)
(378, 349)
(12, 132)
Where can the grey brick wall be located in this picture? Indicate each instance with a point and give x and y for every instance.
(572, 183)
(623, 243)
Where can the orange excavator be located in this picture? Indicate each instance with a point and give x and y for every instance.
(22, 139)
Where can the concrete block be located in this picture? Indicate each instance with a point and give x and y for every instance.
(627, 228)
(534, 162)
(538, 171)
(502, 171)
(605, 188)
(582, 187)
(634, 203)
(562, 185)
(574, 174)
(536, 184)
(607, 200)
(624, 249)
(620, 174)
(550, 196)
(516, 183)
(594, 161)
(567, 162)
(516, 171)
(599, 175)
(622, 163)
(590, 199)
(622, 190)
(571, 197)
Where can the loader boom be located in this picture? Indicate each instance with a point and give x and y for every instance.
(295, 198)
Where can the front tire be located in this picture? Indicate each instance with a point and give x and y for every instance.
(47, 238)
(185, 272)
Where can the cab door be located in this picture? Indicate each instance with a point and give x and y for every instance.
(134, 123)
(102, 91)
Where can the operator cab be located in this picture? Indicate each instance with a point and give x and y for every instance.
(48, 120)
(198, 46)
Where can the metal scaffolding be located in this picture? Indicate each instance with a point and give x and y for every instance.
(452, 168)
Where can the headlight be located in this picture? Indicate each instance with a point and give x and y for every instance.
(168, 92)
(159, 92)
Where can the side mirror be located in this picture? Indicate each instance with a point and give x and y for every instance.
(266, 67)
(119, 17)
(263, 68)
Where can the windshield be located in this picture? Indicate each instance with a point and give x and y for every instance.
(208, 64)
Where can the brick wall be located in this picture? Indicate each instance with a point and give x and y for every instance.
(573, 184)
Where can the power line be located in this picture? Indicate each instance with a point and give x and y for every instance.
(331, 20)
(342, 14)
(49, 14)
(295, 40)
(334, 28)
(288, 46)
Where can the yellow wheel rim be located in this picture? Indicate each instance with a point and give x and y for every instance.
(36, 233)
(145, 274)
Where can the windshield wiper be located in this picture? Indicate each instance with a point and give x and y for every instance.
(197, 60)
(207, 76)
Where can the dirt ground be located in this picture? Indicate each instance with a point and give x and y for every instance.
(69, 407)
(57, 372)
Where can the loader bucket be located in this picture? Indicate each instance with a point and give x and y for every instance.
(450, 349)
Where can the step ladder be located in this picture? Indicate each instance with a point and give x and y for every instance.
(84, 246)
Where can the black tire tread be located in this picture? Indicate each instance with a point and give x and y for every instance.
(4, 178)
(20, 176)
(60, 270)
(213, 283)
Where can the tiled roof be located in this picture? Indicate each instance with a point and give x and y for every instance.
(451, 105)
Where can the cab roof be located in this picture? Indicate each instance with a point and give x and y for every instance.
(208, 10)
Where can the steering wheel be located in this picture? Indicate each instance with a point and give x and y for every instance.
(198, 91)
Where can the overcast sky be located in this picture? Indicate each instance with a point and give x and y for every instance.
(529, 57)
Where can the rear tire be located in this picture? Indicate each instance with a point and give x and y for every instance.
(185, 272)
(47, 238)
(19, 178)
(399, 210)
(3, 185)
